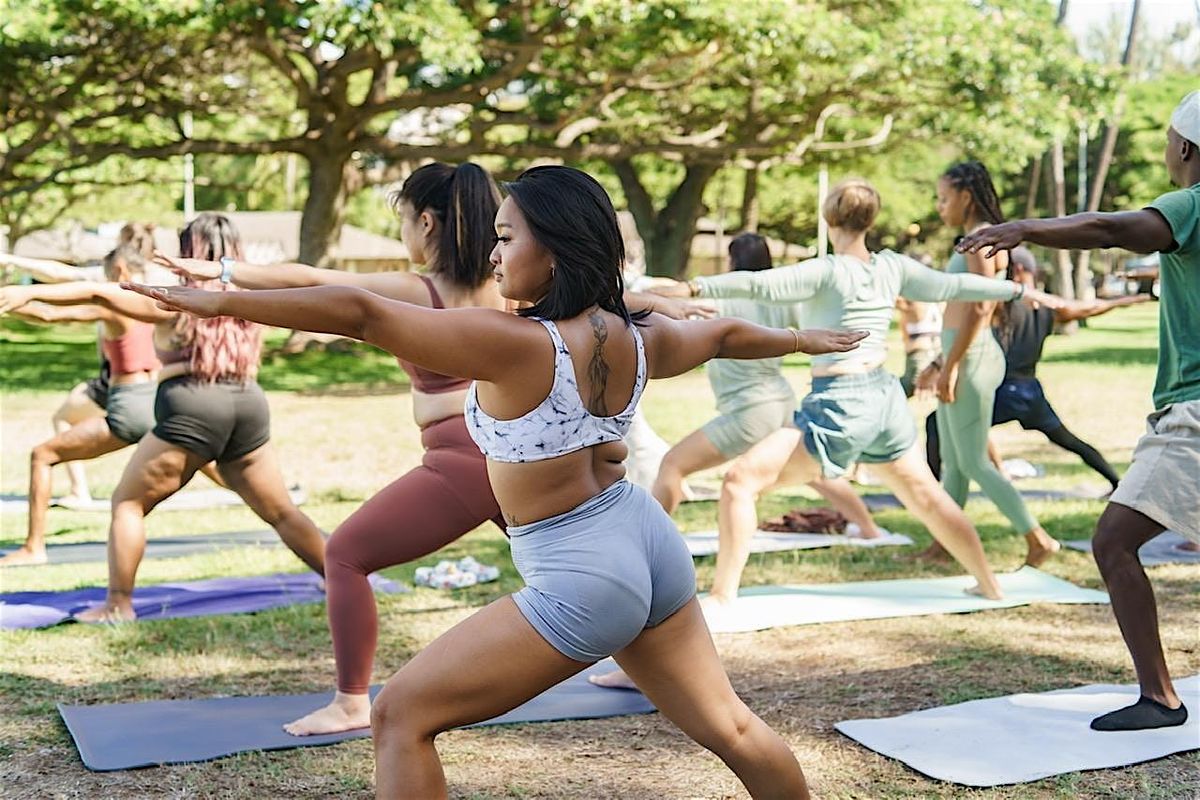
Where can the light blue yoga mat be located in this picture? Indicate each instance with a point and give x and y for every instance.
(762, 607)
(704, 543)
(128, 735)
(1025, 737)
(170, 547)
(1162, 549)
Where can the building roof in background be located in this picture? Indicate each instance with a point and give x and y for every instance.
(268, 237)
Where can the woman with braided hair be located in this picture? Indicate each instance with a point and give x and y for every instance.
(972, 365)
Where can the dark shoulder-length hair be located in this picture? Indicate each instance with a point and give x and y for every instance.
(571, 215)
(748, 252)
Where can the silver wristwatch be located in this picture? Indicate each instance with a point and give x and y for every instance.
(227, 268)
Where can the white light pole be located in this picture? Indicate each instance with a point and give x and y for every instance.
(822, 225)
(189, 173)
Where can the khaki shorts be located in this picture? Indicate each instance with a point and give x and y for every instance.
(1164, 481)
(735, 433)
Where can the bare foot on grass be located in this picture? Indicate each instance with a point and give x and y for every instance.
(23, 556)
(1041, 547)
(346, 712)
(617, 679)
(107, 613)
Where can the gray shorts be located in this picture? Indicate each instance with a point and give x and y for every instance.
(735, 433)
(219, 421)
(600, 574)
(129, 411)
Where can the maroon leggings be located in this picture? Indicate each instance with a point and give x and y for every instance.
(422, 511)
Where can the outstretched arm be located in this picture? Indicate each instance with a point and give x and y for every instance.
(45, 270)
(1082, 309)
(478, 343)
(919, 282)
(404, 286)
(668, 306)
(108, 295)
(782, 285)
(43, 312)
(680, 346)
(1144, 231)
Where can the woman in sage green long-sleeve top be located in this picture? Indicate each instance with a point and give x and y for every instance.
(856, 410)
(973, 366)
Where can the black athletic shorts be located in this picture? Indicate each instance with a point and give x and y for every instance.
(97, 388)
(1024, 401)
(220, 421)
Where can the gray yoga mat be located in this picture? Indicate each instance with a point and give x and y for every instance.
(1025, 737)
(878, 501)
(129, 735)
(174, 547)
(762, 607)
(1162, 549)
(704, 543)
(187, 500)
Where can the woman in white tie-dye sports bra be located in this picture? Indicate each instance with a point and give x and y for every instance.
(606, 572)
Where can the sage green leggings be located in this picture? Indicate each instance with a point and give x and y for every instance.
(963, 430)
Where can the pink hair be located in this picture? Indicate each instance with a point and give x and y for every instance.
(223, 348)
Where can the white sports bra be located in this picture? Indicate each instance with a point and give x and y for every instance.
(560, 424)
(928, 325)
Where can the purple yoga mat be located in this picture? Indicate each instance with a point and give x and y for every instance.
(129, 735)
(169, 600)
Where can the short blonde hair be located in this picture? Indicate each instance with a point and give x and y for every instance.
(851, 205)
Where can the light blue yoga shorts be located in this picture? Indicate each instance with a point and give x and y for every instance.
(600, 574)
(851, 418)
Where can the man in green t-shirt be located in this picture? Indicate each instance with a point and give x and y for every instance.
(1162, 488)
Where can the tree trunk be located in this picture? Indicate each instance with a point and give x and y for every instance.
(1065, 275)
(749, 216)
(332, 177)
(1111, 130)
(1035, 178)
(666, 233)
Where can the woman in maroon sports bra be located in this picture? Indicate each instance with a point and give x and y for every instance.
(446, 217)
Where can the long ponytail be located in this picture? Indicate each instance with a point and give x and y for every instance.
(465, 200)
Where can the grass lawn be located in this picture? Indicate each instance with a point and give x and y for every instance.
(343, 428)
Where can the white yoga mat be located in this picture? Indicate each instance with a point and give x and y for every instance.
(1025, 737)
(702, 493)
(1162, 549)
(762, 607)
(704, 543)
